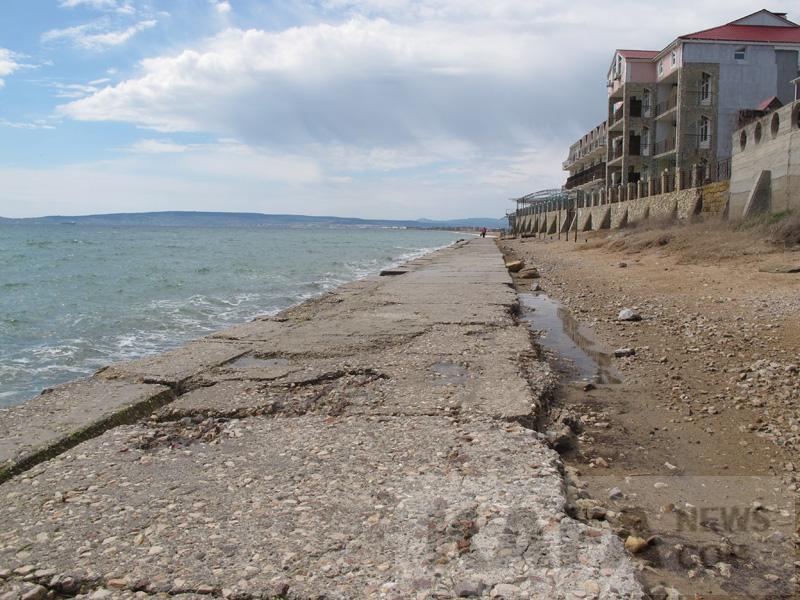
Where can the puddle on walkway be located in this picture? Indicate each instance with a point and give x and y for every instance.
(577, 355)
(251, 362)
(450, 373)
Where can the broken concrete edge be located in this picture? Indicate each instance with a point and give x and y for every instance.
(69, 586)
(125, 416)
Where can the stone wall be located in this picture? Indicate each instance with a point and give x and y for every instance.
(715, 197)
(681, 205)
(770, 146)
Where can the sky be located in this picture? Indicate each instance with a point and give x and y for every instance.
(363, 108)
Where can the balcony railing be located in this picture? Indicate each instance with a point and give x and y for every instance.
(615, 153)
(618, 115)
(666, 106)
(585, 151)
(664, 146)
(598, 171)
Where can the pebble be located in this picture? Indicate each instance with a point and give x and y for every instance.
(627, 314)
(506, 591)
(635, 544)
(468, 589)
(36, 593)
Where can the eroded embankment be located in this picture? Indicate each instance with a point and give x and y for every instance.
(375, 442)
(677, 436)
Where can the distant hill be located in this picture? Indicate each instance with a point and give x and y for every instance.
(225, 219)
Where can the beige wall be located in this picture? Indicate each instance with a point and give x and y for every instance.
(778, 153)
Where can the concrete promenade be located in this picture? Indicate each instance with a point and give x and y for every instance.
(377, 442)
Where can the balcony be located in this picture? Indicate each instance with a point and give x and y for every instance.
(597, 172)
(615, 153)
(664, 146)
(663, 108)
(583, 152)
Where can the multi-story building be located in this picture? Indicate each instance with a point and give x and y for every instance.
(586, 163)
(678, 106)
(631, 109)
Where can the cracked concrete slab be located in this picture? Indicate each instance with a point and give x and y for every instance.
(311, 507)
(175, 367)
(61, 418)
(366, 444)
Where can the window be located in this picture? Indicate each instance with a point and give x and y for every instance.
(645, 142)
(705, 132)
(743, 140)
(740, 53)
(673, 58)
(660, 68)
(775, 125)
(705, 88)
(646, 100)
(757, 133)
(619, 66)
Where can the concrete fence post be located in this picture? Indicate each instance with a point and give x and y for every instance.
(577, 212)
(631, 195)
(620, 193)
(639, 189)
(697, 175)
(665, 181)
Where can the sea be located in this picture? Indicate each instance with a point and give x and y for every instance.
(74, 298)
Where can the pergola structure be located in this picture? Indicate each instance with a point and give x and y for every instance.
(540, 198)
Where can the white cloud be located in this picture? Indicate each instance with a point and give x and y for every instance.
(108, 5)
(73, 90)
(37, 124)
(97, 35)
(157, 147)
(9, 63)
(360, 82)
(222, 7)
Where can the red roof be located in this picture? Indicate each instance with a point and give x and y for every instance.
(748, 33)
(770, 103)
(638, 53)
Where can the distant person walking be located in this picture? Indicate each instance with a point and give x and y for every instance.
(483, 232)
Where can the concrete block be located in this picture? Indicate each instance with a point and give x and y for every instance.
(760, 198)
(69, 414)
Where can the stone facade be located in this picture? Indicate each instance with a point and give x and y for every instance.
(715, 197)
(768, 145)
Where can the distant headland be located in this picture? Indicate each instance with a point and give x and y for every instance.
(230, 219)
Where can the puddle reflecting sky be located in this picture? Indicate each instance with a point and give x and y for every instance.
(577, 354)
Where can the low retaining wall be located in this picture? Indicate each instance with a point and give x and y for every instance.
(680, 205)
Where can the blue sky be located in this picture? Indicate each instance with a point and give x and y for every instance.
(369, 108)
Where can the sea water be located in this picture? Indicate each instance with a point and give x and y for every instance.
(74, 298)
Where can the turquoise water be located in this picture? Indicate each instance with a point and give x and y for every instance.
(74, 298)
